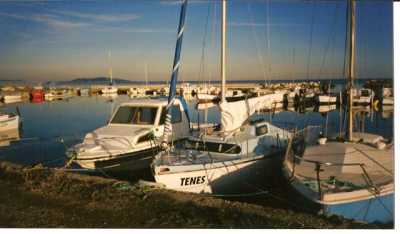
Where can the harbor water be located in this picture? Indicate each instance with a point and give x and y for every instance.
(49, 128)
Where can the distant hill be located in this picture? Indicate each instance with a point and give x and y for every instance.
(90, 81)
(12, 82)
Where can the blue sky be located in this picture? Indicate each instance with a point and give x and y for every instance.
(267, 39)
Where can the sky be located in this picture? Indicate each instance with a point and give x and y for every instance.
(266, 39)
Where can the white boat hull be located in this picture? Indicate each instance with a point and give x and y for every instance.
(109, 90)
(12, 98)
(388, 101)
(228, 177)
(327, 99)
(135, 160)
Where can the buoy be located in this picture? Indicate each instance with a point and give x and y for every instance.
(376, 102)
(380, 145)
(322, 140)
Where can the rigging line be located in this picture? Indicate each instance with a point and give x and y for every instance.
(213, 38)
(293, 63)
(383, 205)
(332, 35)
(311, 38)
(259, 55)
(375, 161)
(346, 38)
(267, 36)
(202, 63)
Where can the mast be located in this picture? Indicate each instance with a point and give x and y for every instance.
(110, 68)
(177, 57)
(174, 76)
(351, 46)
(146, 74)
(223, 52)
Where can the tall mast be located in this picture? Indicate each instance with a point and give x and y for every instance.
(177, 56)
(351, 46)
(223, 52)
(110, 68)
(174, 75)
(146, 73)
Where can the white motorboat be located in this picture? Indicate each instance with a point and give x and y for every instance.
(326, 108)
(327, 99)
(11, 98)
(387, 97)
(343, 176)
(57, 94)
(109, 90)
(363, 96)
(234, 159)
(136, 92)
(128, 141)
(84, 92)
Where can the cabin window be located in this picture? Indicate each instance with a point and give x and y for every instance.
(135, 115)
(123, 115)
(365, 93)
(261, 130)
(176, 114)
(213, 147)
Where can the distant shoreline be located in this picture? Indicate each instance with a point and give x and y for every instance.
(119, 81)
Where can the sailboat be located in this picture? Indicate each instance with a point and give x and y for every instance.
(110, 90)
(326, 98)
(343, 175)
(233, 159)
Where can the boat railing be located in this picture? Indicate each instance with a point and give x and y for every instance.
(318, 168)
(311, 170)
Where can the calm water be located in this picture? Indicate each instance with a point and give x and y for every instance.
(51, 127)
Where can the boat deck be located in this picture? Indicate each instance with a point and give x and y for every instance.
(344, 167)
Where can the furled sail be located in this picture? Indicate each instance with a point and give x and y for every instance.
(234, 114)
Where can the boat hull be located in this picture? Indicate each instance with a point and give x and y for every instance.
(388, 101)
(137, 160)
(223, 178)
(325, 99)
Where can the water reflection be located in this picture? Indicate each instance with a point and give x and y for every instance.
(49, 128)
(8, 136)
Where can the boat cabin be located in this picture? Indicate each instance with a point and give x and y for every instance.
(152, 113)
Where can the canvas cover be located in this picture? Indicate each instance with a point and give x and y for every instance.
(234, 114)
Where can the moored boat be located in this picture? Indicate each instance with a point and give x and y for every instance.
(233, 159)
(37, 94)
(128, 141)
(11, 97)
(343, 174)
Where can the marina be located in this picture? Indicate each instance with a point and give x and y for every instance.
(313, 138)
